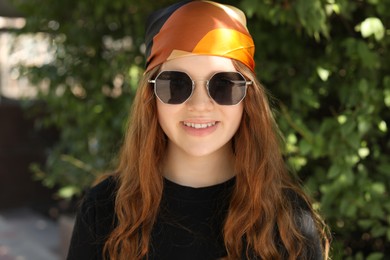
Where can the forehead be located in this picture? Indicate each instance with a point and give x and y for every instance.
(199, 65)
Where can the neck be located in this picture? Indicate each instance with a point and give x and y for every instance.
(198, 171)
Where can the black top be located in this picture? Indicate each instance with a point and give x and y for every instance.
(189, 225)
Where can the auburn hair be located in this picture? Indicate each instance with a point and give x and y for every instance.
(258, 203)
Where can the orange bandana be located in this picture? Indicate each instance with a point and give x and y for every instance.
(198, 28)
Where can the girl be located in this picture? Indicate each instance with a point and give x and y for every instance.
(201, 174)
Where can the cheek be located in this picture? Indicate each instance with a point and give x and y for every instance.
(161, 112)
(165, 116)
(235, 115)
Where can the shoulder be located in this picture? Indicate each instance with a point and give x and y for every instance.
(305, 220)
(98, 206)
(302, 210)
(103, 191)
(297, 200)
(94, 221)
(99, 201)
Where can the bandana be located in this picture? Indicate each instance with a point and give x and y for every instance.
(198, 28)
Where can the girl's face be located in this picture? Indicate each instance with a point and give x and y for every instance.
(199, 126)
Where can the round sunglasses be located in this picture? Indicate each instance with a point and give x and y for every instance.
(176, 87)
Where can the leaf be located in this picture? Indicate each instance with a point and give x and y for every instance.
(312, 16)
(363, 152)
(378, 188)
(318, 146)
(382, 126)
(384, 168)
(334, 171)
(67, 192)
(363, 86)
(376, 210)
(354, 140)
(386, 93)
(348, 127)
(375, 256)
(372, 26)
(365, 223)
(323, 73)
(304, 147)
(378, 231)
(347, 208)
(368, 58)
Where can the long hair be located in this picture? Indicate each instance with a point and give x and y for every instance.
(258, 203)
(265, 192)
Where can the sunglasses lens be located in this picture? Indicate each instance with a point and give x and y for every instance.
(227, 88)
(173, 87)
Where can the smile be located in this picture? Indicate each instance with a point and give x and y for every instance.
(199, 126)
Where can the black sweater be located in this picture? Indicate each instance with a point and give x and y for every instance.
(189, 225)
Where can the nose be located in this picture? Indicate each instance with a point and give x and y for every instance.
(200, 99)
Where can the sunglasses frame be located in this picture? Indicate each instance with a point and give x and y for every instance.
(153, 81)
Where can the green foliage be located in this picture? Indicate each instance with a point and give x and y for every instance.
(326, 61)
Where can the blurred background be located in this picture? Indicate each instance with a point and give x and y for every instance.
(69, 70)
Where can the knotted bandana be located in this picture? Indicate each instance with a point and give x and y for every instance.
(198, 28)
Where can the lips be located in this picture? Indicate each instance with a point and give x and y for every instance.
(199, 125)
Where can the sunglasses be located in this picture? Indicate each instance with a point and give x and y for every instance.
(176, 87)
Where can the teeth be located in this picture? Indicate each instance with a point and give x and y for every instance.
(199, 126)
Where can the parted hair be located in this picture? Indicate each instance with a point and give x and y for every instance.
(259, 211)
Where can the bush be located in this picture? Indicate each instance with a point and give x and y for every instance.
(325, 61)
